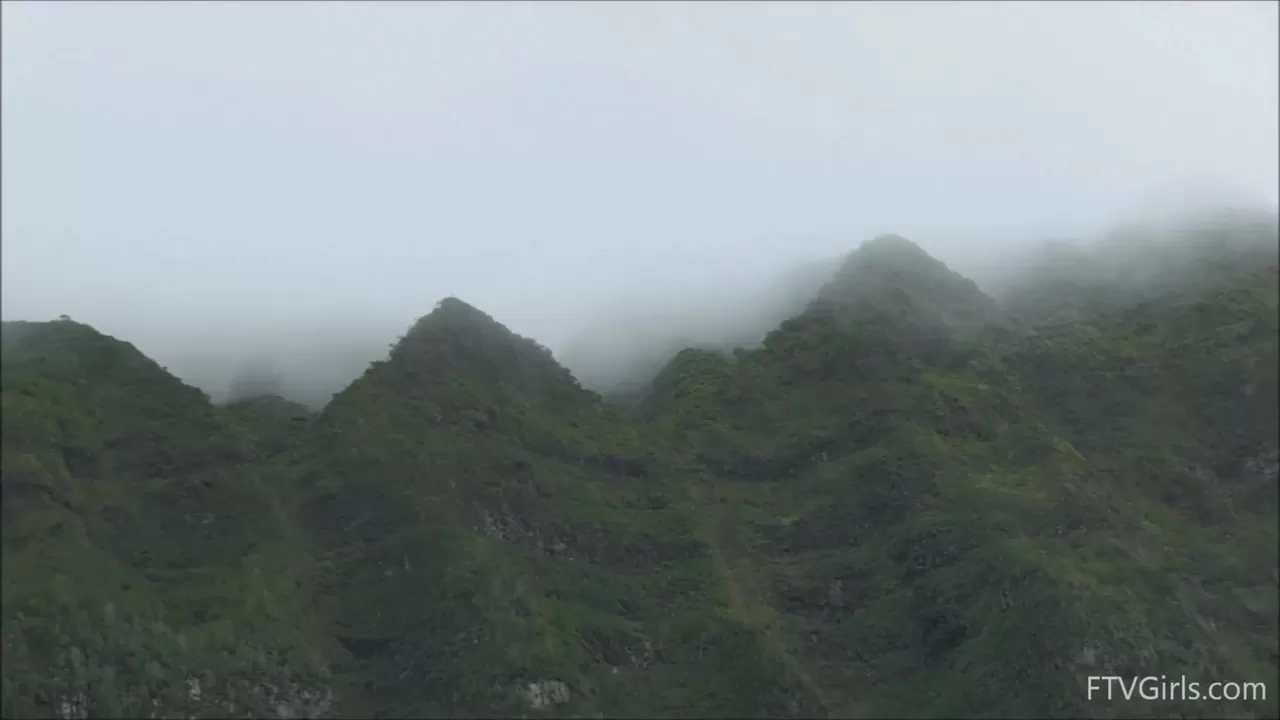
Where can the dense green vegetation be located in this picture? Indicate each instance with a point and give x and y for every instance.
(911, 500)
(147, 565)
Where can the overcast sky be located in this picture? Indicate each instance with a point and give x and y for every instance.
(245, 164)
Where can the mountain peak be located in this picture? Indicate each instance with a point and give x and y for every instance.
(456, 337)
(454, 313)
(891, 244)
(891, 268)
(64, 345)
(454, 322)
(885, 253)
(453, 307)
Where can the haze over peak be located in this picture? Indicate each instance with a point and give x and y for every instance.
(623, 171)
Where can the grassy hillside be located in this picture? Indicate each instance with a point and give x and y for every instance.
(910, 500)
(146, 565)
(946, 521)
(491, 537)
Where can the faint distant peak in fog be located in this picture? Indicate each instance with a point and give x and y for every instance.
(255, 380)
(628, 339)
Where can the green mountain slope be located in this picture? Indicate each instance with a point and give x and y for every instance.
(269, 424)
(910, 500)
(493, 539)
(1065, 282)
(146, 566)
(949, 527)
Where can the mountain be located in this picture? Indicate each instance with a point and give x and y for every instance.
(552, 554)
(910, 499)
(893, 272)
(1062, 281)
(146, 565)
(269, 424)
(957, 528)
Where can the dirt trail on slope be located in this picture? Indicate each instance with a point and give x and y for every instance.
(748, 600)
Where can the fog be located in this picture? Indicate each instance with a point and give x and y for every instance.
(268, 194)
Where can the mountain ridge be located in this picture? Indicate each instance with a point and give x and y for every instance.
(903, 502)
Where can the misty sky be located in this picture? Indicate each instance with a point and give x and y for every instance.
(206, 168)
